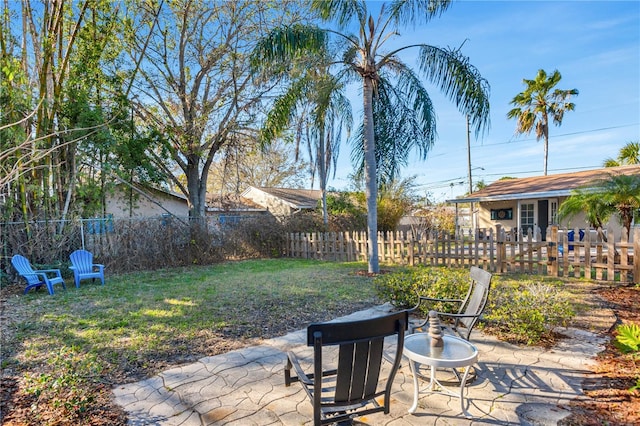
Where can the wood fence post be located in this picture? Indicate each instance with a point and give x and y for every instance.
(500, 249)
(611, 254)
(624, 256)
(552, 251)
(636, 255)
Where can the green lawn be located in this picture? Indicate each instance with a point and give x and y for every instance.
(85, 340)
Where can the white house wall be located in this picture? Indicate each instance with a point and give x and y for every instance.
(118, 205)
(575, 222)
(276, 206)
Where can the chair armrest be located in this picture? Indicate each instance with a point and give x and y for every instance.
(444, 314)
(99, 266)
(434, 299)
(54, 271)
(301, 375)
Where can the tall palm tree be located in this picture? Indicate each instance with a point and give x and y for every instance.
(629, 154)
(318, 99)
(384, 77)
(537, 104)
(330, 113)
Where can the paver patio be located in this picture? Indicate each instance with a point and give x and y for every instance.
(514, 386)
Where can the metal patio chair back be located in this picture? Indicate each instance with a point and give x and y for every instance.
(470, 308)
(351, 389)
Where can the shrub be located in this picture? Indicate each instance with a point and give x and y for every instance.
(518, 310)
(402, 287)
(527, 311)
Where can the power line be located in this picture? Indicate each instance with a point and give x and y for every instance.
(515, 141)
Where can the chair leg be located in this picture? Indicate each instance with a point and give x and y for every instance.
(287, 373)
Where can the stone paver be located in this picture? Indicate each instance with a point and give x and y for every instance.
(513, 386)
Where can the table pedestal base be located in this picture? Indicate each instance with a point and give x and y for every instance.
(433, 381)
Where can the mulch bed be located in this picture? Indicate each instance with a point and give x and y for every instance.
(610, 402)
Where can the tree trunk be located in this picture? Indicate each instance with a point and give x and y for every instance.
(370, 170)
(193, 180)
(322, 174)
(545, 133)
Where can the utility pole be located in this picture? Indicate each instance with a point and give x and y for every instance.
(469, 156)
(469, 170)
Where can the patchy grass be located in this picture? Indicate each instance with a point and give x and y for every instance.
(62, 354)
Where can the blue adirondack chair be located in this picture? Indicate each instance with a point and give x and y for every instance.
(36, 278)
(83, 267)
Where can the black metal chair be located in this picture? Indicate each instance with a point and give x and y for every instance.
(350, 390)
(470, 308)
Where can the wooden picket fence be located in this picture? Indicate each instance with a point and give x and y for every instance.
(592, 254)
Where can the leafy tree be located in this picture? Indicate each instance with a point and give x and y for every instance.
(195, 87)
(537, 104)
(395, 200)
(629, 154)
(53, 99)
(392, 92)
(244, 164)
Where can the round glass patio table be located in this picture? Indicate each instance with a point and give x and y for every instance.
(455, 353)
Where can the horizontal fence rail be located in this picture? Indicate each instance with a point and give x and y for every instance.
(593, 254)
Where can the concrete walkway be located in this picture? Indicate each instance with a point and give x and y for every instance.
(513, 386)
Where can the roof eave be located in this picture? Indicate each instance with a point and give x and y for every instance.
(509, 197)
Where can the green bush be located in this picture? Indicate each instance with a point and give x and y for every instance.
(527, 311)
(520, 310)
(402, 287)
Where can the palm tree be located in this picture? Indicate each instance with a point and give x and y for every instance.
(538, 103)
(617, 194)
(629, 154)
(384, 77)
(317, 98)
(623, 193)
(589, 202)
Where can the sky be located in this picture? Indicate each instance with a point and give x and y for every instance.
(594, 44)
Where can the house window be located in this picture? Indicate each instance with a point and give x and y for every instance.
(553, 211)
(527, 216)
(501, 214)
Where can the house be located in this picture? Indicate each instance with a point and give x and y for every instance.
(533, 202)
(230, 209)
(283, 201)
(142, 201)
